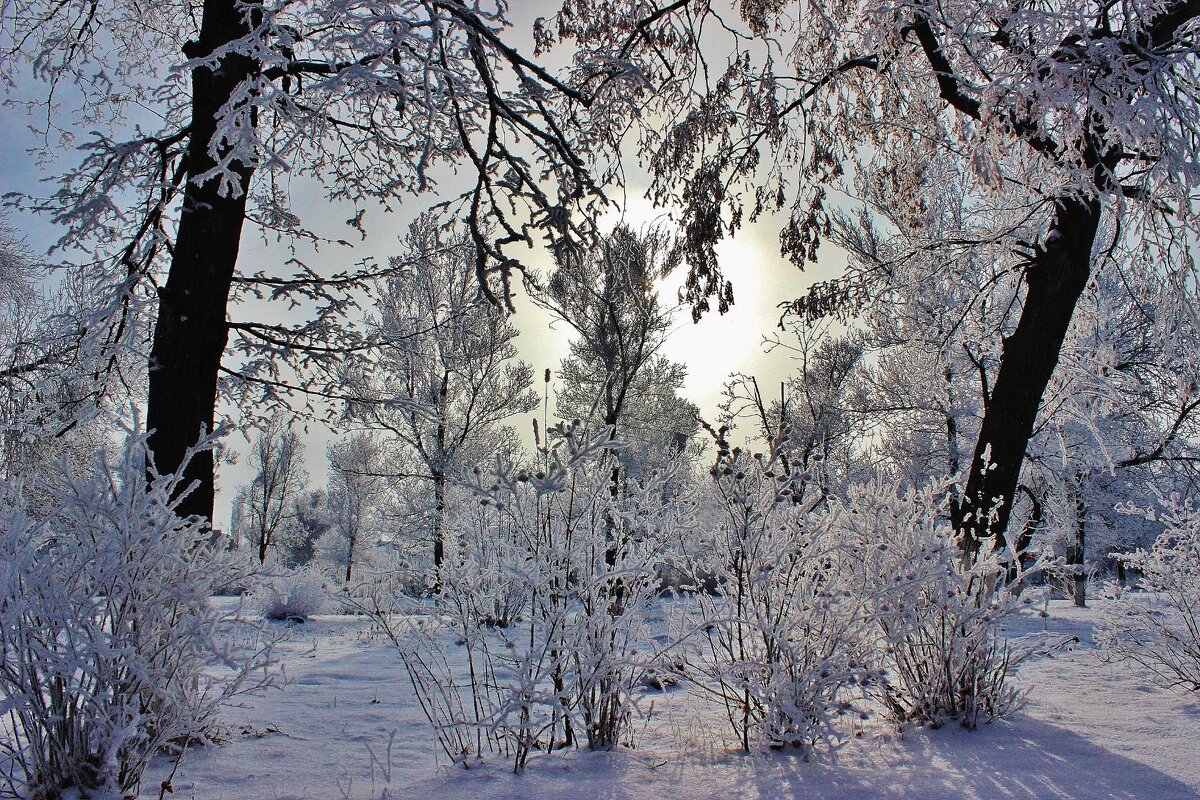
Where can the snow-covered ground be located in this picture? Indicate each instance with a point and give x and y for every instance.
(346, 726)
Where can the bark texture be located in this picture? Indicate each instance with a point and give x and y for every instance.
(190, 334)
(1055, 279)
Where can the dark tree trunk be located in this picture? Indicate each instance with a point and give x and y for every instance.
(190, 334)
(1055, 278)
(611, 546)
(439, 515)
(953, 465)
(439, 474)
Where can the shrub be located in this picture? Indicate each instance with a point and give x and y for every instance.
(293, 596)
(548, 591)
(106, 631)
(781, 642)
(937, 621)
(1164, 640)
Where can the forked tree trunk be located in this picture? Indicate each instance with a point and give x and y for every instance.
(1055, 278)
(190, 333)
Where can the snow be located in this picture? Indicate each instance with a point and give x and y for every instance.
(345, 726)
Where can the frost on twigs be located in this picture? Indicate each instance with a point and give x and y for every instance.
(782, 644)
(1161, 631)
(937, 623)
(551, 609)
(110, 647)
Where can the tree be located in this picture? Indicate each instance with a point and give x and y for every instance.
(47, 409)
(448, 378)
(1120, 421)
(357, 491)
(17, 271)
(195, 113)
(309, 522)
(609, 299)
(808, 426)
(267, 504)
(1065, 115)
(1117, 404)
(656, 425)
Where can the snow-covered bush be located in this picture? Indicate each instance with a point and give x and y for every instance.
(551, 608)
(479, 571)
(613, 592)
(106, 631)
(294, 595)
(1161, 630)
(782, 642)
(937, 621)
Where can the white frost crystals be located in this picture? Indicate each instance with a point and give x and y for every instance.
(937, 623)
(108, 640)
(1161, 630)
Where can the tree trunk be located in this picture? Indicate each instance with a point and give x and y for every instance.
(439, 474)
(190, 333)
(953, 464)
(1056, 278)
(439, 515)
(611, 545)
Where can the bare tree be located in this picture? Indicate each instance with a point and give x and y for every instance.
(267, 504)
(448, 378)
(609, 299)
(808, 426)
(17, 270)
(48, 410)
(194, 113)
(356, 503)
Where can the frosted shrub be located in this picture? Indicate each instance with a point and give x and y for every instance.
(781, 643)
(482, 571)
(293, 596)
(614, 594)
(937, 622)
(1161, 631)
(106, 632)
(551, 608)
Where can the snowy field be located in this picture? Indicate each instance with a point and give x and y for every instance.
(346, 726)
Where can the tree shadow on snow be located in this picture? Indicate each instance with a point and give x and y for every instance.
(1029, 760)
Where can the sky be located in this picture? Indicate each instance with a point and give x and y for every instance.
(712, 349)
